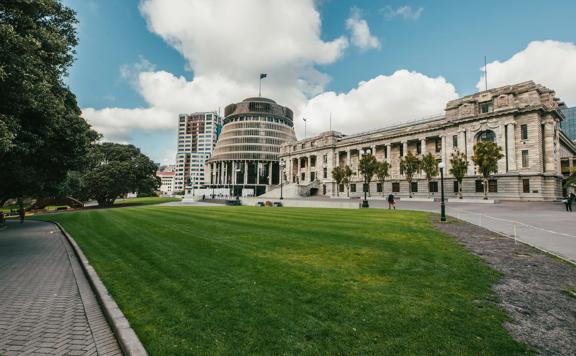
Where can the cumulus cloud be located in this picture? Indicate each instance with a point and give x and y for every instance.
(550, 63)
(406, 12)
(379, 102)
(360, 32)
(226, 55)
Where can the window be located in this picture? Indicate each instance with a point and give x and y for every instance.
(325, 160)
(325, 173)
(414, 187)
(312, 176)
(487, 135)
(303, 175)
(526, 185)
(401, 150)
(396, 187)
(353, 188)
(341, 188)
(455, 186)
(379, 188)
(524, 131)
(418, 147)
(485, 107)
(433, 187)
(455, 141)
(479, 186)
(438, 145)
(525, 162)
(493, 186)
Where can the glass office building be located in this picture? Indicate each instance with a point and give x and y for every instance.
(568, 125)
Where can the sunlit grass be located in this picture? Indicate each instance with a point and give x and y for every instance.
(244, 280)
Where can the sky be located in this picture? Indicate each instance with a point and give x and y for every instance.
(366, 63)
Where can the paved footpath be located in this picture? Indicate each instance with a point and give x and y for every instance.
(46, 304)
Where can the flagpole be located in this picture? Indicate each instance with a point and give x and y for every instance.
(260, 87)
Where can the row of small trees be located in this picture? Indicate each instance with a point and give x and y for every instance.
(486, 156)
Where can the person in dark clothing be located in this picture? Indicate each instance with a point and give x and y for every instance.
(569, 200)
(2, 219)
(22, 214)
(391, 202)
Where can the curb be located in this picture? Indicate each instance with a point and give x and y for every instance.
(127, 338)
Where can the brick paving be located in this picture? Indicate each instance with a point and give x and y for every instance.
(46, 304)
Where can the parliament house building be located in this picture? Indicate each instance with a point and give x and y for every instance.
(523, 119)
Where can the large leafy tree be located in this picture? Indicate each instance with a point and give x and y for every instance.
(338, 176)
(118, 170)
(459, 166)
(42, 135)
(348, 173)
(367, 167)
(409, 166)
(486, 156)
(382, 171)
(429, 165)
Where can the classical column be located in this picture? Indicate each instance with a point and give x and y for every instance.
(245, 177)
(234, 173)
(389, 152)
(348, 158)
(510, 130)
(308, 168)
(270, 173)
(373, 148)
(501, 140)
(548, 154)
(404, 148)
(423, 146)
(444, 153)
(470, 151)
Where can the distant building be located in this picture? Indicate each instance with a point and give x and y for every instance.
(568, 125)
(197, 135)
(167, 181)
(245, 160)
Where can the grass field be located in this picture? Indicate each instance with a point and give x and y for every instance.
(243, 280)
(144, 201)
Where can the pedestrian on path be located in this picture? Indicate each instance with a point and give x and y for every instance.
(391, 202)
(569, 200)
(2, 219)
(22, 214)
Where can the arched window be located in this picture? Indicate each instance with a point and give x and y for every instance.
(487, 135)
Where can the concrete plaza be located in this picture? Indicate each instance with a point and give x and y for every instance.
(46, 303)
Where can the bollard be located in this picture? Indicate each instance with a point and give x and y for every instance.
(514, 223)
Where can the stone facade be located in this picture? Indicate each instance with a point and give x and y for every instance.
(524, 119)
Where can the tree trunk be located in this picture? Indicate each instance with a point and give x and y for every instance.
(485, 189)
(428, 188)
(409, 189)
(460, 189)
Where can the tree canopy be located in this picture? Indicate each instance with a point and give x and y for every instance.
(459, 166)
(409, 166)
(429, 165)
(117, 170)
(486, 156)
(42, 135)
(367, 166)
(382, 171)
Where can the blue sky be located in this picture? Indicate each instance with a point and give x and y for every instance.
(434, 39)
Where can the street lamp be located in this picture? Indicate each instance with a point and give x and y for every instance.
(364, 153)
(442, 204)
(213, 183)
(282, 165)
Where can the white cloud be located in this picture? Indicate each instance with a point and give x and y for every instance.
(382, 101)
(360, 32)
(550, 63)
(405, 12)
(227, 44)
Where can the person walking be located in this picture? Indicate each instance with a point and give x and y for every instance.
(391, 202)
(2, 218)
(22, 214)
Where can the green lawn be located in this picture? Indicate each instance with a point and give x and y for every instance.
(244, 280)
(144, 201)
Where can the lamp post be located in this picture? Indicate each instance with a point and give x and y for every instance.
(442, 204)
(213, 183)
(282, 165)
(364, 153)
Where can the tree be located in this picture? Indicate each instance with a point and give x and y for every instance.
(409, 165)
(571, 180)
(42, 135)
(459, 166)
(118, 170)
(382, 169)
(429, 165)
(367, 167)
(486, 156)
(338, 176)
(347, 178)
